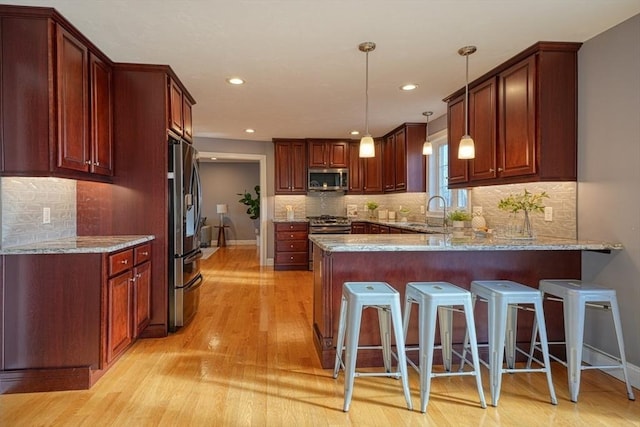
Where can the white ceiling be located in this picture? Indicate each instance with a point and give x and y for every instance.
(304, 72)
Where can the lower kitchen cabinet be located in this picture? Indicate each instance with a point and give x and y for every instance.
(72, 315)
(291, 246)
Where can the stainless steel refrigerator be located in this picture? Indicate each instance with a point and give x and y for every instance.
(185, 198)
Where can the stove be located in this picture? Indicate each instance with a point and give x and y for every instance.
(327, 224)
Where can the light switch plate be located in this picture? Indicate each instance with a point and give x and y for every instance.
(548, 213)
(46, 215)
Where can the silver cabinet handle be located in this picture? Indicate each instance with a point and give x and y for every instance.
(124, 261)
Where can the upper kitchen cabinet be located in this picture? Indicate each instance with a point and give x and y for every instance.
(365, 175)
(523, 119)
(179, 110)
(326, 153)
(290, 166)
(404, 165)
(56, 104)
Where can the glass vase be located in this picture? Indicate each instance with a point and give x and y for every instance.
(527, 231)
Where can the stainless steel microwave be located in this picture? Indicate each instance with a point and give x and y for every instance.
(328, 180)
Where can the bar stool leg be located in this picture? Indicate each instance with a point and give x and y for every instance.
(574, 337)
(618, 325)
(396, 321)
(473, 340)
(383, 321)
(445, 320)
(427, 331)
(510, 337)
(354, 313)
(497, 326)
(341, 333)
(545, 348)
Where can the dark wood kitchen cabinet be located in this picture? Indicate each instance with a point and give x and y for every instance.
(138, 202)
(58, 122)
(128, 297)
(359, 227)
(290, 166)
(72, 315)
(291, 246)
(326, 153)
(523, 119)
(180, 111)
(404, 165)
(372, 170)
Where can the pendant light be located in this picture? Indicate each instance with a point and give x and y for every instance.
(367, 147)
(427, 148)
(466, 149)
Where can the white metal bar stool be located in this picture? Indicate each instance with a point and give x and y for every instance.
(439, 298)
(576, 296)
(357, 296)
(504, 299)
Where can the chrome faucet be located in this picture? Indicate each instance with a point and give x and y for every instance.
(444, 209)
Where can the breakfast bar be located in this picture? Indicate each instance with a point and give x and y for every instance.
(401, 258)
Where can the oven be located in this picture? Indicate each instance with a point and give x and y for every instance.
(326, 224)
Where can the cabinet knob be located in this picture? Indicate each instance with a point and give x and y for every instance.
(124, 261)
(87, 162)
(292, 236)
(97, 163)
(139, 275)
(500, 169)
(291, 246)
(145, 253)
(291, 258)
(132, 280)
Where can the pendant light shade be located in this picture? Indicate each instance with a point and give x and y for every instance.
(367, 147)
(427, 148)
(466, 148)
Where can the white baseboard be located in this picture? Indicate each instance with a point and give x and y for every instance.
(594, 358)
(269, 261)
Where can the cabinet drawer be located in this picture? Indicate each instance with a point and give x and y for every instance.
(120, 261)
(292, 258)
(292, 245)
(142, 253)
(291, 226)
(291, 235)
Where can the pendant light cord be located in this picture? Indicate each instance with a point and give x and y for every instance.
(366, 97)
(466, 99)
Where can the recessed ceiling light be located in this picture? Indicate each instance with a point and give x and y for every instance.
(214, 158)
(235, 81)
(355, 132)
(249, 130)
(409, 86)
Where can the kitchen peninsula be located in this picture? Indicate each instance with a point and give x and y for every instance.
(398, 259)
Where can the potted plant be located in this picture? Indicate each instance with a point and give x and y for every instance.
(458, 218)
(253, 209)
(404, 212)
(371, 206)
(526, 202)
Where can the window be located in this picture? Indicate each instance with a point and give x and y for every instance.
(438, 175)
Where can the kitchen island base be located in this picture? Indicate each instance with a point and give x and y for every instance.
(332, 269)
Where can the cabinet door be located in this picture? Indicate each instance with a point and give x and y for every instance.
(517, 119)
(101, 117)
(482, 127)
(176, 119)
(141, 297)
(458, 169)
(187, 112)
(317, 153)
(119, 304)
(400, 156)
(291, 167)
(338, 154)
(355, 168)
(73, 102)
(358, 228)
(389, 163)
(372, 176)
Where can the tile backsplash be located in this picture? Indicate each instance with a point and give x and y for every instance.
(22, 201)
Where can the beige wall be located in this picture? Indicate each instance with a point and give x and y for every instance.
(609, 175)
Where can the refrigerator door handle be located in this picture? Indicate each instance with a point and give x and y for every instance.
(195, 285)
(193, 257)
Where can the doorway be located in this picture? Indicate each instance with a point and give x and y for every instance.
(262, 162)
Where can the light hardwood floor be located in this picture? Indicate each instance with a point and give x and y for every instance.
(248, 360)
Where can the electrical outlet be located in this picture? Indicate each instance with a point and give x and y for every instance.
(548, 213)
(421, 209)
(46, 215)
(477, 210)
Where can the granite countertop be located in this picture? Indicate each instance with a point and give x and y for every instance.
(78, 245)
(444, 242)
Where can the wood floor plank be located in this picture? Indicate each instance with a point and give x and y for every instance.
(248, 360)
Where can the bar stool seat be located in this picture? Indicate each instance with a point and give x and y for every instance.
(505, 298)
(357, 296)
(439, 298)
(575, 296)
